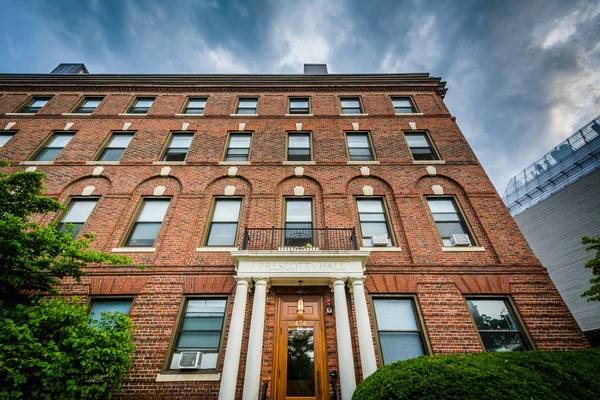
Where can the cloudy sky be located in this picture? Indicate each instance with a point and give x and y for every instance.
(522, 75)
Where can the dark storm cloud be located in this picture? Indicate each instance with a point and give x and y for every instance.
(521, 75)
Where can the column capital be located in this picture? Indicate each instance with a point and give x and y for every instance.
(242, 281)
(354, 282)
(337, 280)
(262, 281)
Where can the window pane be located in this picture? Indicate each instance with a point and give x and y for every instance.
(246, 111)
(299, 140)
(197, 103)
(60, 140)
(206, 306)
(350, 103)
(503, 341)
(175, 155)
(39, 102)
(222, 234)
(369, 228)
(298, 103)
(144, 102)
(120, 140)
(79, 210)
(446, 217)
(401, 102)
(239, 141)
(153, 210)
(109, 305)
(441, 205)
(199, 340)
(227, 210)
(5, 137)
(111, 154)
(248, 103)
(360, 140)
(144, 234)
(62, 227)
(370, 217)
(447, 229)
(395, 314)
(417, 140)
(298, 210)
(91, 103)
(370, 206)
(298, 154)
(181, 140)
(491, 315)
(397, 346)
(47, 154)
(201, 322)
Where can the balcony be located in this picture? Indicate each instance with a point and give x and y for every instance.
(300, 239)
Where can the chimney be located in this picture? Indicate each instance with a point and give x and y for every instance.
(315, 69)
(70, 69)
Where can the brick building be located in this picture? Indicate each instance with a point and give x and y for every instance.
(292, 225)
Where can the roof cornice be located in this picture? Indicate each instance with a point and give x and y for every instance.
(228, 83)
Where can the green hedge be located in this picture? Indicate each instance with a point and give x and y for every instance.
(520, 375)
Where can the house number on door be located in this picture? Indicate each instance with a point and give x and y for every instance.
(300, 323)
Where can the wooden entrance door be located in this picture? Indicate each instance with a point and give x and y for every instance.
(300, 362)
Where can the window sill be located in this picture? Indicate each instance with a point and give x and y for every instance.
(133, 115)
(36, 162)
(168, 162)
(76, 114)
(215, 249)
(20, 114)
(298, 115)
(380, 248)
(102, 162)
(462, 249)
(409, 114)
(362, 162)
(299, 163)
(429, 162)
(134, 250)
(353, 115)
(188, 377)
(243, 115)
(189, 115)
(234, 162)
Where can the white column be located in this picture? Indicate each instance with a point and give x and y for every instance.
(344, 341)
(231, 363)
(363, 325)
(255, 343)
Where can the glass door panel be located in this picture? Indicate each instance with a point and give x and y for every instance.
(301, 362)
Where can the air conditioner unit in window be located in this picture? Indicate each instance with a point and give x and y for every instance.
(460, 239)
(380, 239)
(189, 360)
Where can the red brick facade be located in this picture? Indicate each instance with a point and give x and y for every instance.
(438, 280)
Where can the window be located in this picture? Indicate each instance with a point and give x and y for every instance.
(299, 146)
(498, 328)
(78, 212)
(88, 105)
(35, 104)
(351, 105)
(100, 306)
(141, 105)
(400, 334)
(359, 146)
(201, 330)
(145, 230)
(116, 146)
(299, 105)
(54, 146)
(447, 218)
(224, 225)
(420, 146)
(372, 219)
(195, 105)
(247, 106)
(403, 105)
(239, 147)
(298, 222)
(178, 147)
(5, 137)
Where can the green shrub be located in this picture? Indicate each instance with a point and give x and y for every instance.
(522, 375)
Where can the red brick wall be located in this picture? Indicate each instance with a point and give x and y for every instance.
(440, 280)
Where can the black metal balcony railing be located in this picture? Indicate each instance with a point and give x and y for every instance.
(300, 239)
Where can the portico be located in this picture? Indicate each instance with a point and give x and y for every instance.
(284, 268)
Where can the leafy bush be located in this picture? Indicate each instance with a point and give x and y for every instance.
(522, 375)
(51, 350)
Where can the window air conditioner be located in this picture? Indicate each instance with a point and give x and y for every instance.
(190, 360)
(380, 239)
(460, 239)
